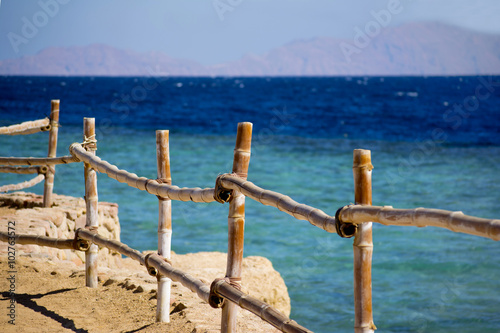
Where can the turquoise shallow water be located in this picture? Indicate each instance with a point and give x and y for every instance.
(424, 280)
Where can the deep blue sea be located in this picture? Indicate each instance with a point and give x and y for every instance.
(435, 143)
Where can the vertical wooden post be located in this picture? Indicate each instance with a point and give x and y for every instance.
(236, 224)
(91, 201)
(164, 225)
(49, 176)
(363, 245)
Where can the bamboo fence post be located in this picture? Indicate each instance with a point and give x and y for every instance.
(164, 225)
(49, 176)
(91, 201)
(363, 245)
(236, 223)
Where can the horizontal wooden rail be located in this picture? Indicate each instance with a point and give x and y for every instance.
(142, 183)
(38, 160)
(23, 185)
(28, 127)
(267, 313)
(57, 243)
(23, 170)
(422, 217)
(283, 202)
(164, 268)
(195, 285)
(111, 244)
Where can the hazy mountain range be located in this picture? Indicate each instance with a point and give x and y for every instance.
(425, 48)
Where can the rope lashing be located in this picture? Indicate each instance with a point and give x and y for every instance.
(344, 229)
(167, 181)
(89, 143)
(80, 243)
(151, 270)
(221, 194)
(164, 181)
(216, 301)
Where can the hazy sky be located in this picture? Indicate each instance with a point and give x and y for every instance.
(213, 31)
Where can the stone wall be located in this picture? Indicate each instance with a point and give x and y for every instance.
(66, 215)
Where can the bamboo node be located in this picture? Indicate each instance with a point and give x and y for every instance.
(344, 229)
(221, 194)
(364, 165)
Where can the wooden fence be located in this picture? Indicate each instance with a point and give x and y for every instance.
(349, 221)
(47, 170)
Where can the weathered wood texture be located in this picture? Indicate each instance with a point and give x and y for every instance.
(257, 307)
(38, 160)
(22, 170)
(423, 217)
(236, 223)
(164, 225)
(149, 185)
(28, 127)
(363, 245)
(269, 198)
(50, 174)
(21, 186)
(91, 201)
(57, 243)
(283, 202)
(112, 245)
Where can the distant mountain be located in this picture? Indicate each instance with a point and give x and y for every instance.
(98, 59)
(412, 49)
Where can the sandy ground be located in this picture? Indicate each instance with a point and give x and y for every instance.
(50, 293)
(51, 297)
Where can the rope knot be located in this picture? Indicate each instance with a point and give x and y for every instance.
(90, 143)
(344, 229)
(80, 244)
(216, 301)
(151, 270)
(221, 194)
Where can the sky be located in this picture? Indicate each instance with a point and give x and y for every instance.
(215, 31)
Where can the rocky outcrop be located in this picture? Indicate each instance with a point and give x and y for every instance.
(68, 214)
(60, 221)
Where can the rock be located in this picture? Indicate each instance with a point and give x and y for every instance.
(60, 221)
(109, 282)
(178, 307)
(259, 277)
